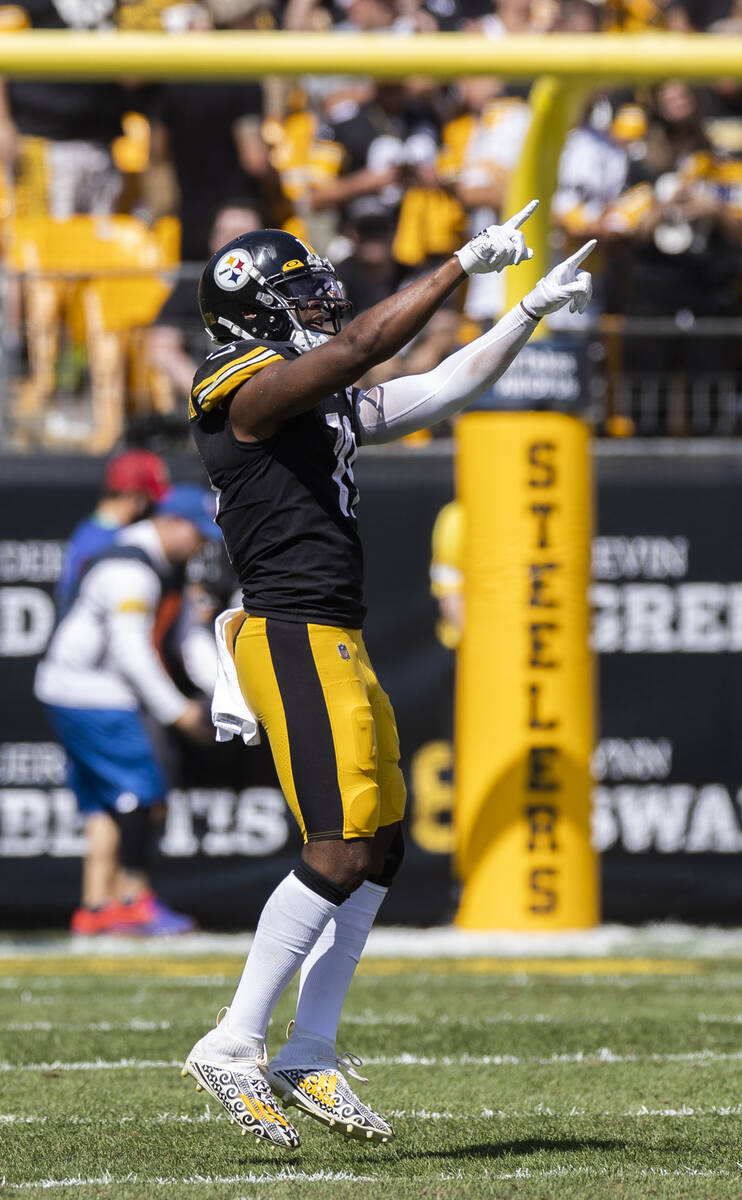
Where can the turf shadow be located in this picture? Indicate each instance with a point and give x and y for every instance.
(524, 1146)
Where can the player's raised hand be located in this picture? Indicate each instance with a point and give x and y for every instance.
(521, 217)
(565, 284)
(497, 246)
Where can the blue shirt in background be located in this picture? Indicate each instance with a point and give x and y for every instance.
(93, 535)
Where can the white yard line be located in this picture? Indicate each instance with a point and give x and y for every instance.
(687, 1110)
(289, 1175)
(369, 979)
(100, 1064)
(286, 1175)
(603, 1055)
(662, 938)
(601, 1172)
(63, 981)
(398, 1114)
(364, 1020)
(94, 1026)
(482, 979)
(203, 1118)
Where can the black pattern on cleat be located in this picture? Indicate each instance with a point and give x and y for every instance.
(244, 1093)
(323, 1093)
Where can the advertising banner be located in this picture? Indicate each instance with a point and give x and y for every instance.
(667, 623)
(667, 626)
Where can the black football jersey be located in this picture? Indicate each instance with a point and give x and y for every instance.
(286, 505)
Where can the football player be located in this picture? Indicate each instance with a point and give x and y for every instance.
(277, 422)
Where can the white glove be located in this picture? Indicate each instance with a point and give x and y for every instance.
(497, 246)
(565, 284)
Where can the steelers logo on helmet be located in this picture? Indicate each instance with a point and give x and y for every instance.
(232, 270)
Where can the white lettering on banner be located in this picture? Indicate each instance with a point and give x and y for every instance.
(701, 617)
(261, 824)
(179, 839)
(651, 818)
(215, 822)
(253, 822)
(671, 819)
(640, 557)
(26, 621)
(713, 825)
(660, 618)
(40, 561)
(34, 822)
(639, 616)
(27, 763)
(31, 561)
(541, 373)
(66, 823)
(649, 609)
(632, 758)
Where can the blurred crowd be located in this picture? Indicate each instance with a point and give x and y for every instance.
(385, 178)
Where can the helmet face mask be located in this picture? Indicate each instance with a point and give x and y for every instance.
(316, 299)
(269, 284)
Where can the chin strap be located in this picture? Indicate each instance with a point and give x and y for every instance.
(307, 339)
(301, 338)
(230, 325)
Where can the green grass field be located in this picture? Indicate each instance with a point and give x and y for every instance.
(539, 1079)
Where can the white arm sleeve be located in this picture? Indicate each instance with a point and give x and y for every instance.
(414, 402)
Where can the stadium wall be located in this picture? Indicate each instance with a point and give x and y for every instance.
(667, 624)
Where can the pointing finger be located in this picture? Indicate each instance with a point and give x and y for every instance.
(521, 217)
(583, 252)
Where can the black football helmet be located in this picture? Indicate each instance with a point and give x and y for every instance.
(258, 284)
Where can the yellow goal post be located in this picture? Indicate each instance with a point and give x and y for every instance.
(565, 67)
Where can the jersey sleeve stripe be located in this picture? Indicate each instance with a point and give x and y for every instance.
(233, 377)
(252, 355)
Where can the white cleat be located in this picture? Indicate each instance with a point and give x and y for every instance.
(307, 1074)
(232, 1072)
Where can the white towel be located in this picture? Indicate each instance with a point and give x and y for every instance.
(229, 712)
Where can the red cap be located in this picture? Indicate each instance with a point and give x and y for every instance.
(137, 471)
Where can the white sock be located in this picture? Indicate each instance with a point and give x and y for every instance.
(329, 967)
(290, 923)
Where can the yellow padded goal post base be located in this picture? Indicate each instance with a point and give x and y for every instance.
(524, 712)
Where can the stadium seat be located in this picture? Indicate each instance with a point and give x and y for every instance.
(104, 276)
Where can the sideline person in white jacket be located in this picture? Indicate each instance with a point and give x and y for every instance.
(101, 674)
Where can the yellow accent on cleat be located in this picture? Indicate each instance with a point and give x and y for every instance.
(263, 1112)
(183, 1073)
(323, 1093)
(239, 1086)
